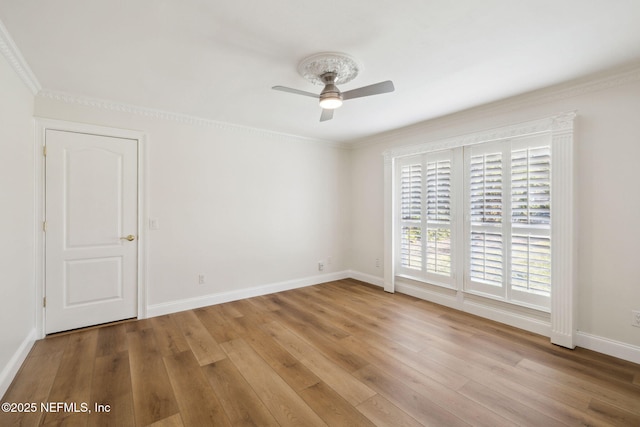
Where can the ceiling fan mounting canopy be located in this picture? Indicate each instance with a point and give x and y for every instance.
(342, 65)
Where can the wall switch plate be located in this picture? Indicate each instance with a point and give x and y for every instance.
(635, 318)
(154, 224)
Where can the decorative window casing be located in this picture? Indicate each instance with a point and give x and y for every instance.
(489, 214)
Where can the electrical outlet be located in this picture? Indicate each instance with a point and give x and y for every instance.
(377, 262)
(320, 266)
(201, 279)
(635, 318)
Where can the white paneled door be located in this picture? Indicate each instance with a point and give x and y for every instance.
(91, 207)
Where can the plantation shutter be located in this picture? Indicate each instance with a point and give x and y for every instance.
(411, 215)
(531, 219)
(509, 220)
(486, 217)
(531, 186)
(425, 217)
(438, 209)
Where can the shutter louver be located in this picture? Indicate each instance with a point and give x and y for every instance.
(439, 251)
(531, 186)
(411, 216)
(486, 257)
(438, 210)
(411, 193)
(439, 191)
(411, 248)
(531, 263)
(486, 188)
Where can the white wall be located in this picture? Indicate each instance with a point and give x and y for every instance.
(17, 297)
(608, 151)
(243, 207)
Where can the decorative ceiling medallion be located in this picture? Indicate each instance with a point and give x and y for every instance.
(345, 67)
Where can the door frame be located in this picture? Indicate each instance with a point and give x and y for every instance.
(41, 126)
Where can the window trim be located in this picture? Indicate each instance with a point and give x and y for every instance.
(562, 328)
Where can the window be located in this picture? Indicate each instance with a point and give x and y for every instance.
(506, 219)
(425, 217)
(509, 228)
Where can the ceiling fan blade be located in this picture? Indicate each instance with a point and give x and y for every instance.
(326, 115)
(296, 91)
(374, 89)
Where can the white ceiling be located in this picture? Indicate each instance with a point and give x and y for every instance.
(219, 59)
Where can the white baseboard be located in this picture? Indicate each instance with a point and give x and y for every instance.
(368, 278)
(212, 299)
(9, 372)
(609, 347)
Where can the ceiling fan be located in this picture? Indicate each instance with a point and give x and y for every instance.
(330, 70)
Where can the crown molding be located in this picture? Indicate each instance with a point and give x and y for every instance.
(169, 116)
(577, 87)
(559, 123)
(11, 52)
(14, 57)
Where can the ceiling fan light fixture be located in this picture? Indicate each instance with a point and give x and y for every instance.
(331, 102)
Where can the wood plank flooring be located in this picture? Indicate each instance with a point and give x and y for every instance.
(339, 354)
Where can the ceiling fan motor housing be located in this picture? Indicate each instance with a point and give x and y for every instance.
(330, 89)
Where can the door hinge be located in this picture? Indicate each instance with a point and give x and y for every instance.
(44, 302)
(44, 226)
(44, 150)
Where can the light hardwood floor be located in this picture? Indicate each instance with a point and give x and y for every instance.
(338, 354)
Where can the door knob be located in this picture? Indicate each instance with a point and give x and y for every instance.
(130, 238)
